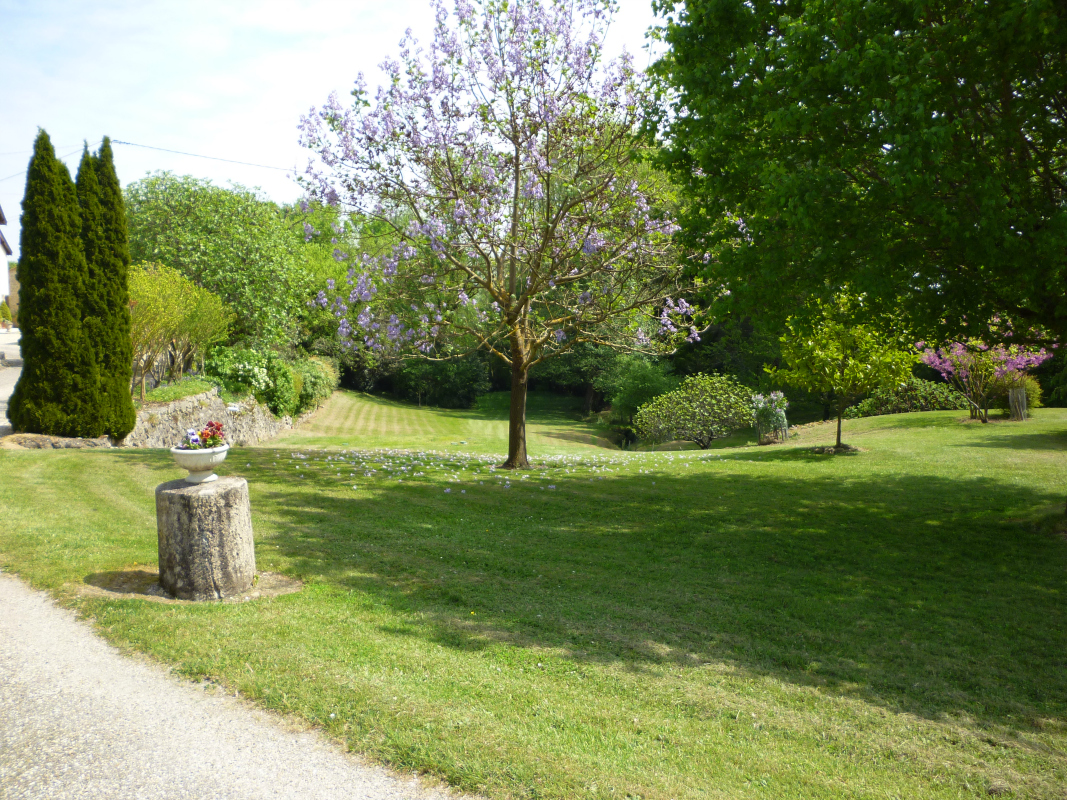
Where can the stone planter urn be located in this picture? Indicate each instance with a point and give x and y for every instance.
(200, 463)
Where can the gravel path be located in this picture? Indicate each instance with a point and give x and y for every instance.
(79, 720)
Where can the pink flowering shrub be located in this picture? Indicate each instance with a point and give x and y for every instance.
(978, 369)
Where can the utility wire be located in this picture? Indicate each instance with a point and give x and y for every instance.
(195, 155)
(21, 152)
(162, 150)
(23, 172)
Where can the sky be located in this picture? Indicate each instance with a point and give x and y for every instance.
(222, 78)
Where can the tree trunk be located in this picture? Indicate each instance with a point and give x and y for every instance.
(590, 396)
(517, 419)
(840, 413)
(1017, 403)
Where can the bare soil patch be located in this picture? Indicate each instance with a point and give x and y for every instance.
(142, 583)
(37, 441)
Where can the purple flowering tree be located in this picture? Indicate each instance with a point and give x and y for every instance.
(977, 369)
(504, 209)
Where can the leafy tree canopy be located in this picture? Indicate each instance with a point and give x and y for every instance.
(171, 314)
(911, 151)
(230, 241)
(499, 163)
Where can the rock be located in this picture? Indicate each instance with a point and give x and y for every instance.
(164, 424)
(205, 538)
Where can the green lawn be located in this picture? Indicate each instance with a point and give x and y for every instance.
(743, 622)
(365, 421)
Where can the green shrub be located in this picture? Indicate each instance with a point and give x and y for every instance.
(1033, 394)
(280, 395)
(703, 408)
(5, 311)
(287, 389)
(633, 381)
(315, 379)
(915, 395)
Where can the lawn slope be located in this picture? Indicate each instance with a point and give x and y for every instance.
(354, 419)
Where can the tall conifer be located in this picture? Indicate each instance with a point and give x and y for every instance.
(58, 391)
(93, 297)
(106, 303)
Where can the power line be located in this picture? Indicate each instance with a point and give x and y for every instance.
(162, 150)
(21, 152)
(195, 155)
(23, 172)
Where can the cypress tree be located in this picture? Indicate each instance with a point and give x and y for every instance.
(58, 391)
(106, 307)
(93, 297)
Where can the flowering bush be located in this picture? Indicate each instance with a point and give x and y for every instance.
(239, 369)
(771, 423)
(211, 436)
(977, 369)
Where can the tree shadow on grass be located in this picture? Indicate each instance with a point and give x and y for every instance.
(1052, 440)
(916, 593)
(589, 438)
(785, 453)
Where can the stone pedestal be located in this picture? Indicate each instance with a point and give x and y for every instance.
(205, 538)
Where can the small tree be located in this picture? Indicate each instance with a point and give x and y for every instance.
(830, 354)
(58, 392)
(171, 316)
(499, 165)
(702, 409)
(979, 370)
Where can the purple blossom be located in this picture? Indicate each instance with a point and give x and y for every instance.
(526, 69)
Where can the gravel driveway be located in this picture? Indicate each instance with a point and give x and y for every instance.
(79, 720)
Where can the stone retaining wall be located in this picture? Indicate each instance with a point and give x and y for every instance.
(164, 424)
